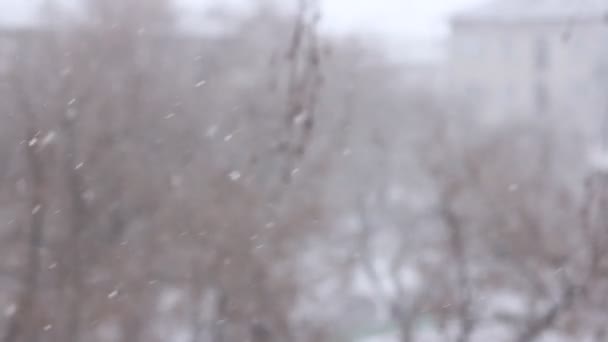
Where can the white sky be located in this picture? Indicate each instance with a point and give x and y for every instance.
(403, 18)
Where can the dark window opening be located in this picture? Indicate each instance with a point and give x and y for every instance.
(541, 98)
(542, 54)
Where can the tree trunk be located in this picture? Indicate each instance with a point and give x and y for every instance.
(21, 325)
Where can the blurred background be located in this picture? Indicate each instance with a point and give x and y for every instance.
(303, 170)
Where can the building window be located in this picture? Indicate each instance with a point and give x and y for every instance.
(541, 98)
(541, 54)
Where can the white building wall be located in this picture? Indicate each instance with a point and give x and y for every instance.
(496, 66)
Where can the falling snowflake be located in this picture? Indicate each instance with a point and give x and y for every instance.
(211, 131)
(79, 166)
(300, 118)
(169, 116)
(32, 142)
(10, 310)
(176, 181)
(48, 138)
(88, 195)
(48, 327)
(66, 71)
(72, 101)
(36, 209)
(200, 84)
(234, 175)
(113, 294)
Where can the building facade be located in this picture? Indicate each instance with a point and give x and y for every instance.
(521, 57)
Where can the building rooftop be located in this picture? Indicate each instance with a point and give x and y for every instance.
(518, 11)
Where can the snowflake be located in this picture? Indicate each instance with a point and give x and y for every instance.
(234, 175)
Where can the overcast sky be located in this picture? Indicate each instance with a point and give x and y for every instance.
(394, 18)
(405, 18)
